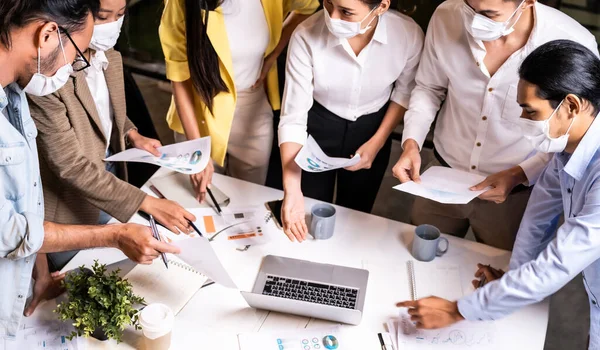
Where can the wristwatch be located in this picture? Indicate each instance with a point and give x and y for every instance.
(127, 142)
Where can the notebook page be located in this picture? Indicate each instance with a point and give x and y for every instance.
(173, 287)
(437, 279)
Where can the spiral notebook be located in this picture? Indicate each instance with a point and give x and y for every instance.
(434, 279)
(173, 287)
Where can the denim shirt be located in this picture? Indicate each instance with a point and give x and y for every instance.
(21, 206)
(542, 262)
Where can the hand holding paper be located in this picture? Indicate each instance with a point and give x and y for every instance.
(189, 157)
(311, 158)
(445, 185)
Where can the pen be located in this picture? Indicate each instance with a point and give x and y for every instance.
(482, 281)
(161, 196)
(157, 236)
(383, 347)
(214, 200)
(195, 228)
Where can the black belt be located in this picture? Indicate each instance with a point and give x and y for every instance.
(517, 189)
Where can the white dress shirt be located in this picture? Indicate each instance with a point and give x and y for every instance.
(477, 126)
(248, 34)
(94, 76)
(326, 69)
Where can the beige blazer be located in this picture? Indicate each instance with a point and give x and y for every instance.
(71, 147)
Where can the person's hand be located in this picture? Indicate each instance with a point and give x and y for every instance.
(170, 214)
(408, 166)
(432, 312)
(201, 180)
(136, 241)
(292, 215)
(487, 272)
(367, 152)
(268, 63)
(501, 184)
(46, 285)
(144, 143)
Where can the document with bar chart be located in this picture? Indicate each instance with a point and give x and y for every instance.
(240, 226)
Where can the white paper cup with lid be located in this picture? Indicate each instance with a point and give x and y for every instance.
(157, 323)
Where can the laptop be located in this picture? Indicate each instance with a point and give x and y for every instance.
(305, 288)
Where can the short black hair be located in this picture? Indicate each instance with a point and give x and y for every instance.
(68, 14)
(563, 67)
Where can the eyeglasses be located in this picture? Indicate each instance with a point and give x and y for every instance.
(80, 63)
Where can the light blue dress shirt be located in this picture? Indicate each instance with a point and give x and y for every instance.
(21, 206)
(542, 262)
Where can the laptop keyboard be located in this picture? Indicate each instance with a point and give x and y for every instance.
(311, 292)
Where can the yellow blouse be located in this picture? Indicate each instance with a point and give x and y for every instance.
(173, 41)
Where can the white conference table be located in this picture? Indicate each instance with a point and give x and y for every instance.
(215, 315)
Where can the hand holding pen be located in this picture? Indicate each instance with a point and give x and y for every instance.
(160, 195)
(486, 274)
(156, 235)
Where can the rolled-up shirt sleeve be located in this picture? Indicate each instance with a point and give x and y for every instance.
(174, 41)
(405, 83)
(533, 166)
(430, 91)
(575, 247)
(298, 92)
(21, 234)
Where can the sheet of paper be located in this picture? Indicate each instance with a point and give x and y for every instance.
(177, 187)
(313, 338)
(444, 185)
(311, 158)
(189, 157)
(47, 335)
(462, 335)
(198, 253)
(238, 226)
(438, 279)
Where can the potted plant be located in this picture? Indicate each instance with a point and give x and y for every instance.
(99, 304)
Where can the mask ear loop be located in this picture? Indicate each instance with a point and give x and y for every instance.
(371, 21)
(570, 125)
(61, 45)
(513, 15)
(39, 59)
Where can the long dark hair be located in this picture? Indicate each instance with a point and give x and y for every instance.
(202, 57)
(563, 67)
(68, 14)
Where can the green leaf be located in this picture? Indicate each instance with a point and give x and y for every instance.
(99, 300)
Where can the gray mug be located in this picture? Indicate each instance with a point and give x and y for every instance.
(426, 244)
(322, 223)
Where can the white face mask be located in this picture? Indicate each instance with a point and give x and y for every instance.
(486, 29)
(106, 35)
(538, 133)
(344, 29)
(41, 85)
